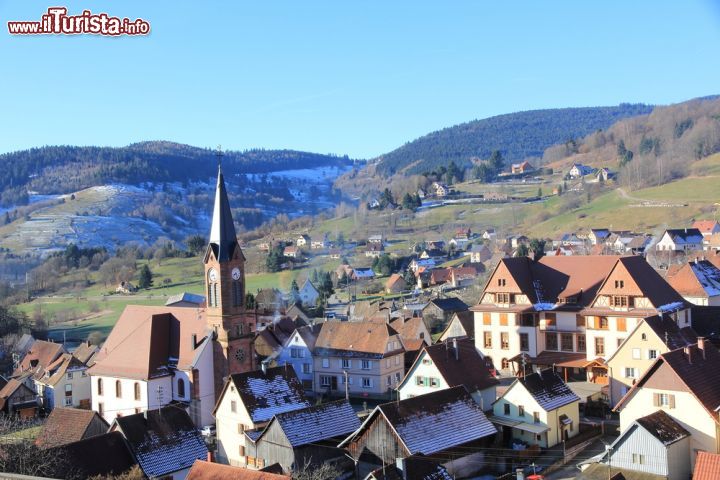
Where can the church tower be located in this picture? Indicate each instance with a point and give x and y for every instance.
(224, 261)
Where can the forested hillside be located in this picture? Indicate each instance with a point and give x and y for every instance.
(62, 169)
(516, 135)
(649, 149)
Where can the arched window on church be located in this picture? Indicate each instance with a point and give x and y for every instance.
(181, 388)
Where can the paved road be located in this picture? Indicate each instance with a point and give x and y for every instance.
(570, 471)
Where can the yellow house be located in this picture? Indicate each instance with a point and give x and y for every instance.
(683, 383)
(652, 337)
(539, 409)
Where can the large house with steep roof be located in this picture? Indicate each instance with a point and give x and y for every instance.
(68, 425)
(65, 382)
(684, 384)
(369, 355)
(248, 402)
(38, 358)
(297, 351)
(680, 240)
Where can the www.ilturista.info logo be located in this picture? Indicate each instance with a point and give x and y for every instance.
(58, 22)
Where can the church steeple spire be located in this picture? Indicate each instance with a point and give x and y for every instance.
(223, 239)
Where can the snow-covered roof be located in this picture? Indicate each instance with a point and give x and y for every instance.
(265, 395)
(320, 422)
(708, 275)
(548, 389)
(433, 422)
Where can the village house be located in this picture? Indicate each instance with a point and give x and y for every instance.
(446, 424)
(368, 355)
(303, 240)
(598, 236)
(185, 299)
(418, 263)
(652, 337)
(65, 382)
(416, 467)
(155, 356)
(269, 300)
(68, 425)
(16, 398)
(439, 310)
(604, 175)
(165, 442)
(308, 293)
(441, 189)
(292, 252)
(248, 402)
(578, 170)
(320, 243)
(304, 437)
(461, 277)
(269, 341)
(478, 253)
(38, 358)
(538, 409)
(374, 250)
(362, 273)
(679, 384)
(459, 243)
(377, 239)
(489, 234)
(655, 444)
(100, 456)
(680, 240)
(461, 325)
(395, 284)
(521, 168)
(450, 364)
(698, 282)
(297, 351)
(707, 227)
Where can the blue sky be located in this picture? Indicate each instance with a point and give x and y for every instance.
(358, 78)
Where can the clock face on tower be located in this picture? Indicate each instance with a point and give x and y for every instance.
(212, 275)
(240, 354)
(236, 273)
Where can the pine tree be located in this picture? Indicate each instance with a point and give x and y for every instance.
(146, 277)
(294, 292)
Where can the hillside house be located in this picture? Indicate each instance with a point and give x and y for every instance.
(478, 253)
(707, 227)
(597, 236)
(678, 383)
(459, 243)
(155, 356)
(489, 234)
(578, 170)
(461, 277)
(185, 299)
(697, 281)
(395, 284)
(441, 189)
(126, 288)
(304, 437)
(449, 364)
(292, 252)
(308, 293)
(374, 250)
(165, 441)
(303, 240)
(68, 425)
(652, 337)
(655, 444)
(320, 243)
(269, 300)
(604, 175)
(521, 168)
(64, 383)
(364, 273)
(445, 424)
(680, 240)
(368, 355)
(248, 402)
(376, 239)
(538, 409)
(461, 325)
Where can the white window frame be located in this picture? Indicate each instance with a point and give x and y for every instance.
(366, 382)
(651, 352)
(307, 368)
(366, 364)
(346, 363)
(636, 354)
(326, 363)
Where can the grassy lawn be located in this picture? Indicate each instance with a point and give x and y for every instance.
(696, 189)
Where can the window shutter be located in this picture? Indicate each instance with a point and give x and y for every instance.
(621, 325)
(656, 399)
(672, 401)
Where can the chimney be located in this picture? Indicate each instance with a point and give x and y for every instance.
(210, 457)
(193, 341)
(688, 353)
(701, 345)
(455, 347)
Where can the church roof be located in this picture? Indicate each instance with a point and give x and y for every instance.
(223, 239)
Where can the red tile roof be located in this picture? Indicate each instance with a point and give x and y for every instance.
(464, 366)
(146, 340)
(66, 425)
(705, 226)
(363, 337)
(202, 470)
(707, 466)
(40, 355)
